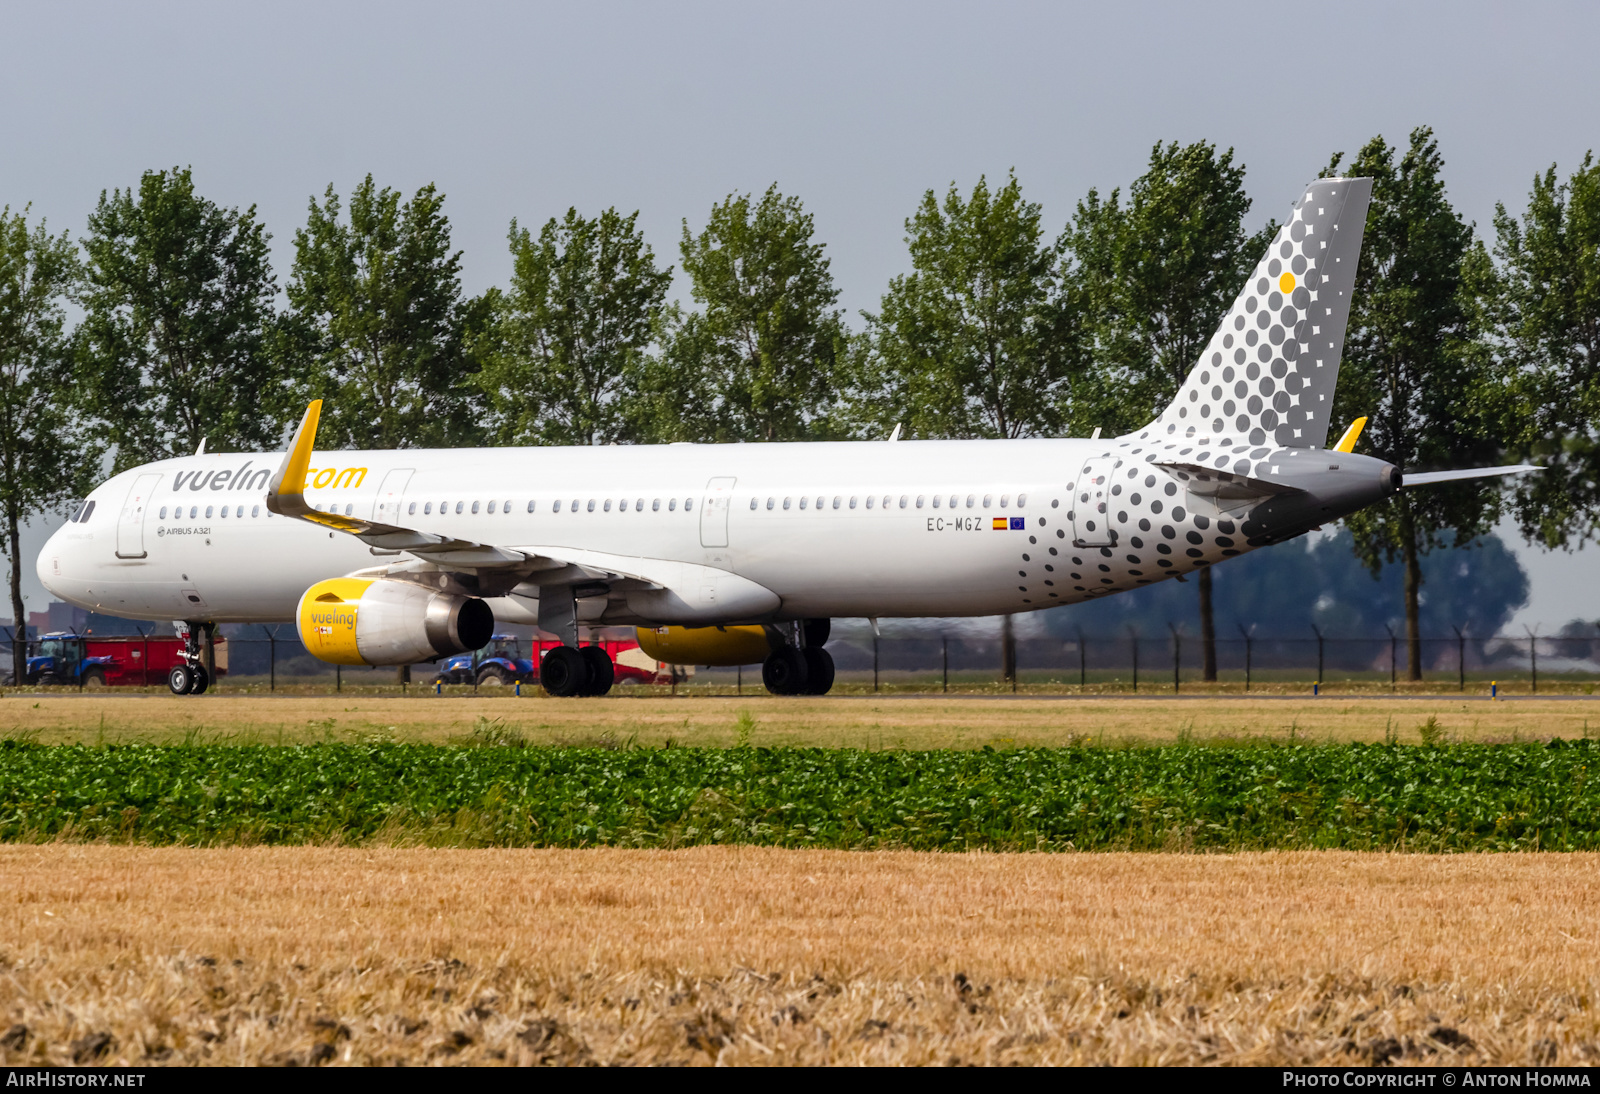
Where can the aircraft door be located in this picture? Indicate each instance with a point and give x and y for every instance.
(1091, 519)
(714, 512)
(390, 495)
(130, 523)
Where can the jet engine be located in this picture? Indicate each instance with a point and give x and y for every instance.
(354, 621)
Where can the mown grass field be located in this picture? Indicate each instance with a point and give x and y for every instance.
(914, 722)
(135, 955)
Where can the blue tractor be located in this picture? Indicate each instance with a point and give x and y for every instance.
(62, 659)
(500, 662)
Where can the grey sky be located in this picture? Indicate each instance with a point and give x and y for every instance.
(523, 110)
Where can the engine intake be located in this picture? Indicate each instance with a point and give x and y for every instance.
(354, 621)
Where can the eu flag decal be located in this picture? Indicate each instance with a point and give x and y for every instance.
(1018, 523)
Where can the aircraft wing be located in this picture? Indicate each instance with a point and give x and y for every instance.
(656, 588)
(286, 497)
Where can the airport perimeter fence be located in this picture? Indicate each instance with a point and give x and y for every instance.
(272, 658)
(1137, 662)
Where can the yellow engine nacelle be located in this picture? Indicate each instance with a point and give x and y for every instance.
(705, 645)
(353, 621)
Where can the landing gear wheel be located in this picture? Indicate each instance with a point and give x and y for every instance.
(784, 673)
(563, 673)
(202, 680)
(819, 671)
(180, 678)
(602, 673)
(493, 677)
(817, 631)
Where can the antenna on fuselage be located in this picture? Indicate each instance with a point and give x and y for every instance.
(895, 436)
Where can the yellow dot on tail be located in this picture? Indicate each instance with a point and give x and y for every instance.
(1286, 283)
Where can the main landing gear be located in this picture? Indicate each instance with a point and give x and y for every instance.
(568, 671)
(801, 666)
(189, 676)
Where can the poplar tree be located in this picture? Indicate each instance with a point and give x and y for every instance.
(767, 340)
(178, 315)
(574, 331)
(381, 327)
(1157, 274)
(981, 338)
(1551, 323)
(44, 458)
(1416, 365)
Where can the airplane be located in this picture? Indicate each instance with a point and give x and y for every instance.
(742, 553)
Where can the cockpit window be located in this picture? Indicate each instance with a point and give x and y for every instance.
(86, 512)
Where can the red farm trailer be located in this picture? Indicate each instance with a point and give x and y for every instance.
(117, 660)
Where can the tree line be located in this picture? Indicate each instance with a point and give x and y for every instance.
(164, 325)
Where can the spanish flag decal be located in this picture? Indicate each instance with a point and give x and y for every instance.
(1001, 524)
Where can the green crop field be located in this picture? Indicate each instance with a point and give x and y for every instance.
(1443, 797)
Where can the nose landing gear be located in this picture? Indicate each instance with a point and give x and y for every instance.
(186, 679)
(190, 677)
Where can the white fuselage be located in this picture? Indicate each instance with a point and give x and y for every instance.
(833, 529)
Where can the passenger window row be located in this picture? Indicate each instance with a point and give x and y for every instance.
(461, 507)
(888, 501)
(838, 501)
(444, 508)
(210, 512)
(574, 506)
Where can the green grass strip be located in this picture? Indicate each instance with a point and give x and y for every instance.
(1440, 798)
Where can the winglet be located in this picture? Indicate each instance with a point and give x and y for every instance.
(286, 491)
(1347, 443)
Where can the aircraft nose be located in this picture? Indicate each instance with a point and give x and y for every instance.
(55, 563)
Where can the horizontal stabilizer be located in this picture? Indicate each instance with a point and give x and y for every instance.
(1427, 478)
(1225, 485)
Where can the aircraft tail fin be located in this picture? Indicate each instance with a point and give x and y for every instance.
(1268, 374)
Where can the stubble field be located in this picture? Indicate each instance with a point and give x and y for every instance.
(744, 955)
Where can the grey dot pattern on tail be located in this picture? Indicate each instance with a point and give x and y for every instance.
(1268, 374)
(1165, 514)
